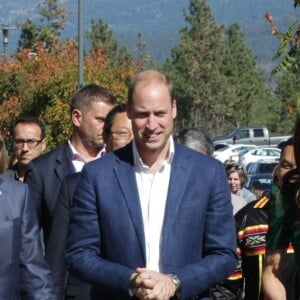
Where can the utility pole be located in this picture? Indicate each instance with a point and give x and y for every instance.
(80, 43)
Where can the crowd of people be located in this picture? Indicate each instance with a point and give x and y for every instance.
(125, 209)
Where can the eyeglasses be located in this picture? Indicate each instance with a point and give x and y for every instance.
(120, 135)
(31, 143)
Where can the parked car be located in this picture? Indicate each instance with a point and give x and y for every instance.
(231, 152)
(259, 184)
(263, 153)
(258, 136)
(262, 166)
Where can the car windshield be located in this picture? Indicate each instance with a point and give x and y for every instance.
(222, 149)
(233, 133)
(264, 183)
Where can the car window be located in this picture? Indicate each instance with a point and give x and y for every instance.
(222, 149)
(258, 132)
(243, 134)
(251, 168)
(267, 168)
(263, 183)
(273, 152)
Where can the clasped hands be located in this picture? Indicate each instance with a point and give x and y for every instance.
(148, 284)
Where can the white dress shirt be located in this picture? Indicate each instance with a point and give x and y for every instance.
(78, 161)
(153, 190)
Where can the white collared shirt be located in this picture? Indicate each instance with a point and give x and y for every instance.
(153, 190)
(78, 161)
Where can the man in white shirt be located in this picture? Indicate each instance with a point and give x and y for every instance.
(89, 107)
(152, 220)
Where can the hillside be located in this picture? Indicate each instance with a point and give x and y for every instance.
(160, 20)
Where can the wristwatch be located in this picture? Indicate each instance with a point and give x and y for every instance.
(177, 283)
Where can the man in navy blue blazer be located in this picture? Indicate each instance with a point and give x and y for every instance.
(152, 220)
(24, 273)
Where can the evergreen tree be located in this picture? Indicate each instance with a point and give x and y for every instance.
(203, 95)
(102, 37)
(52, 22)
(288, 98)
(246, 79)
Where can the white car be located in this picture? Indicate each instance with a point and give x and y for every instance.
(231, 152)
(262, 153)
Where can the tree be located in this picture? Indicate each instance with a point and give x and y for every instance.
(52, 22)
(217, 82)
(287, 74)
(42, 85)
(288, 97)
(102, 38)
(288, 49)
(201, 89)
(251, 97)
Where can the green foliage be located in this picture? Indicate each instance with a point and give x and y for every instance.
(247, 80)
(215, 75)
(200, 87)
(288, 98)
(43, 86)
(52, 22)
(102, 37)
(288, 49)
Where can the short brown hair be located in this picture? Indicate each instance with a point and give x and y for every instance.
(241, 172)
(91, 93)
(147, 77)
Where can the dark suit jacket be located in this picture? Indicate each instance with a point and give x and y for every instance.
(24, 273)
(106, 238)
(64, 284)
(44, 177)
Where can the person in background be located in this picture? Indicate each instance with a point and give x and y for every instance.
(117, 132)
(133, 230)
(24, 273)
(29, 142)
(284, 220)
(252, 228)
(89, 107)
(197, 139)
(237, 178)
(3, 156)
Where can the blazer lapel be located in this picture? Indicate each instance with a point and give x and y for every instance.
(64, 164)
(127, 181)
(180, 171)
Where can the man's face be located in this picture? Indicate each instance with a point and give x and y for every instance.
(25, 152)
(152, 113)
(286, 164)
(120, 132)
(91, 124)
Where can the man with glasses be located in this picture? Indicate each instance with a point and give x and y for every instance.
(117, 131)
(28, 142)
